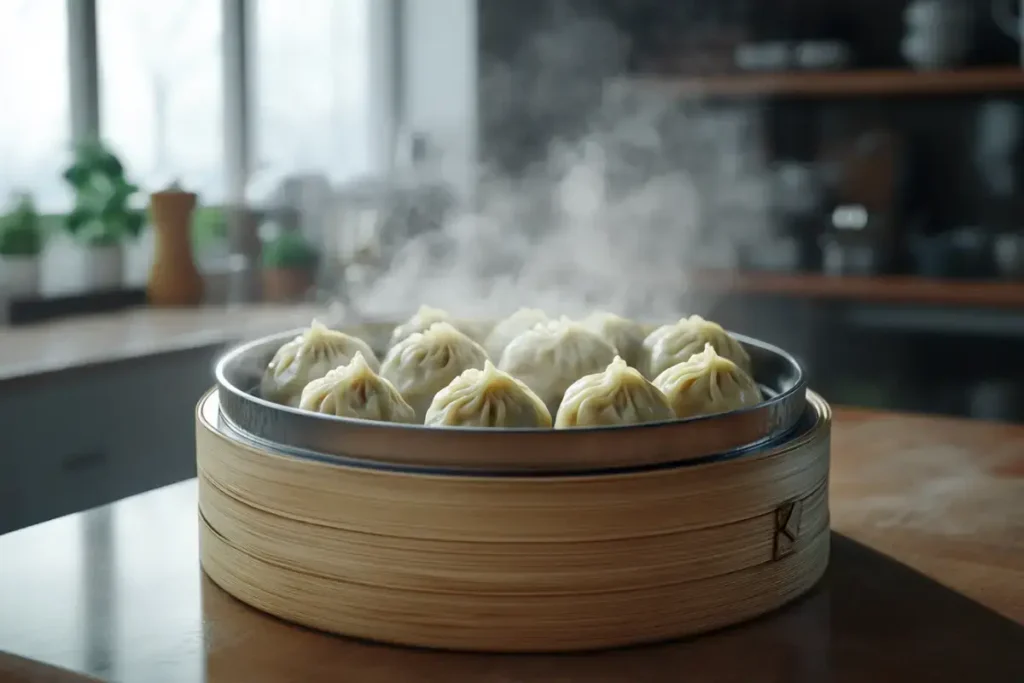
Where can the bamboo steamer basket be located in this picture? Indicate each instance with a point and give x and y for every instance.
(502, 451)
(515, 561)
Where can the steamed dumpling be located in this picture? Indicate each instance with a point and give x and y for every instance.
(355, 390)
(675, 343)
(477, 330)
(425, 362)
(553, 355)
(420, 321)
(707, 383)
(307, 357)
(627, 336)
(510, 328)
(618, 396)
(487, 398)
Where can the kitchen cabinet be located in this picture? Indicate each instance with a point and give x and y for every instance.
(87, 436)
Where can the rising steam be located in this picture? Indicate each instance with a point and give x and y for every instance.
(610, 218)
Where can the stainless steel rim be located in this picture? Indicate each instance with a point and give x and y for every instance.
(519, 450)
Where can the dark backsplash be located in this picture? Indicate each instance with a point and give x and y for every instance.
(958, 163)
(541, 79)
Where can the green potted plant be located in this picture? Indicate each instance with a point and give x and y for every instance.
(103, 218)
(21, 242)
(289, 266)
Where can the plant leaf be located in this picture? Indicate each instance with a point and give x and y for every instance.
(102, 213)
(76, 175)
(110, 165)
(134, 222)
(77, 219)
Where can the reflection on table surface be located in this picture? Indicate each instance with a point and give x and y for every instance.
(113, 592)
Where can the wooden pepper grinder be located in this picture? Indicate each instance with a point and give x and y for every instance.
(174, 279)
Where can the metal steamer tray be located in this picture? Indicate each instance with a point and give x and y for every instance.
(290, 431)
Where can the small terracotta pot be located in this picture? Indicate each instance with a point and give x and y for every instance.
(286, 284)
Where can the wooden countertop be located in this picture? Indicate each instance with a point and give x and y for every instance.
(73, 342)
(926, 584)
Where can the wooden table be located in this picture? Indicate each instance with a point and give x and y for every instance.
(144, 331)
(926, 584)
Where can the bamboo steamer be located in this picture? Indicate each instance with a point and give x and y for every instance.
(504, 451)
(514, 562)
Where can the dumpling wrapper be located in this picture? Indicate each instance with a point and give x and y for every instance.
(309, 356)
(553, 355)
(618, 396)
(356, 391)
(707, 384)
(420, 321)
(487, 398)
(627, 336)
(672, 344)
(425, 316)
(510, 328)
(423, 363)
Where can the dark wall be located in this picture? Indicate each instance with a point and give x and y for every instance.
(544, 66)
(543, 63)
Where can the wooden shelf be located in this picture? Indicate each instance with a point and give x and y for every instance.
(899, 82)
(891, 289)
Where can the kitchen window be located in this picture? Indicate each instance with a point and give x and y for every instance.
(35, 125)
(213, 94)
